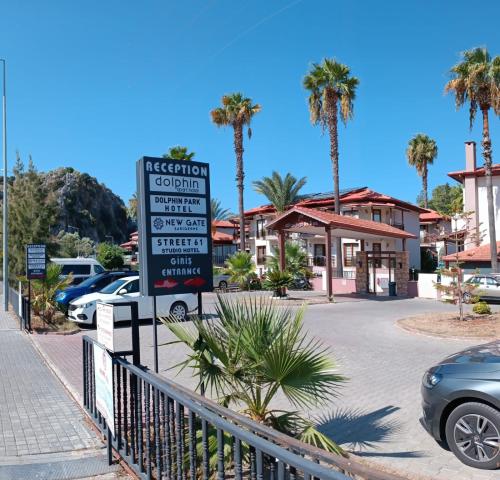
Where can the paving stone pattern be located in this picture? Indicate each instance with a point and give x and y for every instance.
(43, 432)
(377, 412)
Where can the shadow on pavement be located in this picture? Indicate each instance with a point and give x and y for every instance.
(359, 430)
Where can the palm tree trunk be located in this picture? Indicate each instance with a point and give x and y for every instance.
(240, 176)
(332, 115)
(424, 186)
(489, 190)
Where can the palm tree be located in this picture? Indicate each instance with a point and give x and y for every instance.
(295, 259)
(179, 153)
(240, 269)
(476, 81)
(218, 212)
(237, 111)
(331, 86)
(281, 192)
(421, 152)
(256, 351)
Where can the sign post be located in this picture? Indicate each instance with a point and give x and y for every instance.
(175, 242)
(36, 268)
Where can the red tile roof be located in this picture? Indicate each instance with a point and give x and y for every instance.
(360, 197)
(432, 216)
(225, 223)
(476, 254)
(220, 237)
(459, 175)
(345, 222)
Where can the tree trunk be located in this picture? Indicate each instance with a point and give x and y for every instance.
(240, 176)
(424, 186)
(486, 143)
(332, 119)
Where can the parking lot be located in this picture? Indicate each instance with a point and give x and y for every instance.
(377, 412)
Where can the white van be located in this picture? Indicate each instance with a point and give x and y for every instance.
(81, 268)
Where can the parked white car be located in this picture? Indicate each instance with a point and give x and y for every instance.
(81, 268)
(126, 289)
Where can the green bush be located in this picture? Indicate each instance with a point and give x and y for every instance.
(110, 256)
(277, 281)
(481, 308)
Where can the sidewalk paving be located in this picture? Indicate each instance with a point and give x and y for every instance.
(43, 433)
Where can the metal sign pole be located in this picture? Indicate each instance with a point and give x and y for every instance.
(155, 337)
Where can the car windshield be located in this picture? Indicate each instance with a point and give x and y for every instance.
(88, 282)
(113, 286)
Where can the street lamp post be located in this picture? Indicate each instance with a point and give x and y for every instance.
(5, 224)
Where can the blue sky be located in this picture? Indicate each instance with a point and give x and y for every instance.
(97, 84)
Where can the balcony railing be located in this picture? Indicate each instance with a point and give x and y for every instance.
(164, 430)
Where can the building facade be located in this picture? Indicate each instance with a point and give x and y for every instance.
(361, 203)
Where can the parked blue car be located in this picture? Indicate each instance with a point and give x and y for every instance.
(90, 285)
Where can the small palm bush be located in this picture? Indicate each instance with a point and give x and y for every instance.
(277, 281)
(481, 308)
(256, 351)
(241, 269)
(295, 260)
(44, 292)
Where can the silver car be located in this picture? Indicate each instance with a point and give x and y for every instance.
(486, 287)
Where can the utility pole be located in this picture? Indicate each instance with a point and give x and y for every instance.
(5, 199)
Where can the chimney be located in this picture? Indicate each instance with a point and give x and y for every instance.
(470, 156)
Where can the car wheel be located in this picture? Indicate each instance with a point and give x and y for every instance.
(179, 310)
(467, 297)
(473, 435)
(223, 285)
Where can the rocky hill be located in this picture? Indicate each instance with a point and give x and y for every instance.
(87, 205)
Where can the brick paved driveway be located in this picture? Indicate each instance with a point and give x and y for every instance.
(378, 410)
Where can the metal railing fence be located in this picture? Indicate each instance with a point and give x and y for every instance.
(163, 430)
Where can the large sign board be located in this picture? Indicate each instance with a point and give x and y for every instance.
(175, 242)
(103, 373)
(36, 261)
(105, 325)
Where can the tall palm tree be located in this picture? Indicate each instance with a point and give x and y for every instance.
(179, 153)
(421, 152)
(331, 86)
(237, 111)
(281, 192)
(476, 81)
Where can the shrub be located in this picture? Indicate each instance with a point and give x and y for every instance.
(240, 269)
(481, 308)
(278, 281)
(110, 256)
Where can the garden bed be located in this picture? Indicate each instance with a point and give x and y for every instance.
(59, 325)
(449, 325)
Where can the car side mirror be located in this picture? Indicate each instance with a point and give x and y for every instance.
(123, 291)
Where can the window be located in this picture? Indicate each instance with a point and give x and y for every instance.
(350, 250)
(261, 230)
(261, 255)
(490, 281)
(377, 215)
(132, 287)
(351, 213)
(80, 269)
(377, 249)
(319, 255)
(98, 269)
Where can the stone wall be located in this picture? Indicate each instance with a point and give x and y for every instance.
(399, 275)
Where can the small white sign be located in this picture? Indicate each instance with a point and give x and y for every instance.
(179, 245)
(175, 204)
(164, 224)
(103, 373)
(176, 184)
(105, 326)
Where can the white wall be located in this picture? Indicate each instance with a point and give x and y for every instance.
(483, 208)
